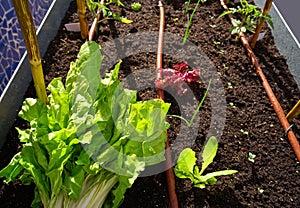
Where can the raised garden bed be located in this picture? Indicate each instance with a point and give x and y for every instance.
(251, 126)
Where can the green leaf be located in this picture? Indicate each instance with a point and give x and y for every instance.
(185, 164)
(212, 175)
(31, 165)
(12, 170)
(121, 19)
(58, 114)
(88, 65)
(73, 182)
(209, 152)
(34, 111)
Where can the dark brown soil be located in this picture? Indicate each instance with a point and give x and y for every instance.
(275, 169)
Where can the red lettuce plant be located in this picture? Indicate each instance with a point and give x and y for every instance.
(176, 77)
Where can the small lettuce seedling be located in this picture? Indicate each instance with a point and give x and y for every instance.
(136, 6)
(186, 165)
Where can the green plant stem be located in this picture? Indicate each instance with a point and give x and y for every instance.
(189, 123)
(187, 31)
(187, 6)
(200, 104)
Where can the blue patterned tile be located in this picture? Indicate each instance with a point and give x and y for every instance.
(12, 45)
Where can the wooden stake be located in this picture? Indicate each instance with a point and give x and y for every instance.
(258, 28)
(169, 172)
(29, 34)
(294, 112)
(81, 9)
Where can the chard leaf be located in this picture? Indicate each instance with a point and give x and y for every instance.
(73, 182)
(34, 111)
(13, 169)
(24, 135)
(31, 165)
(58, 114)
(119, 192)
(88, 64)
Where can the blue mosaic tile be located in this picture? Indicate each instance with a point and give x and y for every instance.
(12, 45)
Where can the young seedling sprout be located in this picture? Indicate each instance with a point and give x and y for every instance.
(136, 6)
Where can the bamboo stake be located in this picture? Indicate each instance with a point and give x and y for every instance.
(81, 9)
(29, 34)
(95, 23)
(273, 100)
(258, 28)
(294, 112)
(169, 172)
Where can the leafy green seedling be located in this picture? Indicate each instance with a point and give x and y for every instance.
(245, 132)
(229, 85)
(260, 190)
(251, 157)
(231, 104)
(217, 42)
(136, 6)
(186, 165)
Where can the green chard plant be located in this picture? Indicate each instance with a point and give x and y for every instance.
(95, 6)
(91, 141)
(186, 165)
(250, 16)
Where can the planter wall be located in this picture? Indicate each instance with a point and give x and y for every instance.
(15, 74)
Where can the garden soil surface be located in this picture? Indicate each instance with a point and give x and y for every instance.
(251, 125)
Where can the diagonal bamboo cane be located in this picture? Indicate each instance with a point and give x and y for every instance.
(29, 34)
(266, 11)
(81, 9)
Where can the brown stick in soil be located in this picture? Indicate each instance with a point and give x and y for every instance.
(273, 100)
(95, 23)
(265, 11)
(169, 172)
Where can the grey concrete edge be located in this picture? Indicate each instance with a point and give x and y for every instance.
(12, 97)
(285, 40)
